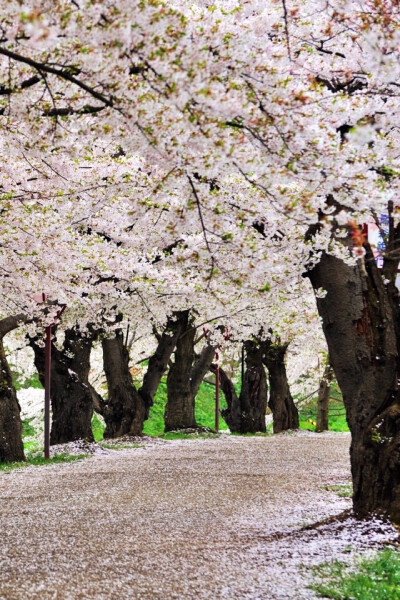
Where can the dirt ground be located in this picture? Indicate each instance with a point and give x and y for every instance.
(194, 519)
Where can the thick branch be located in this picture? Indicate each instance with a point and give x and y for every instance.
(201, 366)
(63, 73)
(228, 389)
(68, 110)
(158, 362)
(9, 323)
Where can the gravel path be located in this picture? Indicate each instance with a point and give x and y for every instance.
(194, 519)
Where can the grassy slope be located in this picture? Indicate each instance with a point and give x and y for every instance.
(374, 578)
(337, 417)
(205, 415)
(37, 460)
(204, 409)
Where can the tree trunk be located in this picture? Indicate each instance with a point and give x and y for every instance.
(185, 376)
(323, 401)
(360, 315)
(123, 400)
(71, 394)
(246, 413)
(11, 447)
(232, 414)
(179, 409)
(127, 408)
(157, 366)
(284, 412)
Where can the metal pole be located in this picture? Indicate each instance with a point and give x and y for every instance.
(216, 420)
(47, 380)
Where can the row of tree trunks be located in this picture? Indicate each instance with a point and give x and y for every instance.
(360, 315)
(246, 413)
(184, 377)
(126, 408)
(73, 397)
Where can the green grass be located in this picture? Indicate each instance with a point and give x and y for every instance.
(31, 446)
(27, 428)
(374, 578)
(37, 460)
(204, 406)
(336, 416)
(204, 411)
(155, 423)
(20, 381)
(120, 446)
(182, 435)
(343, 490)
(97, 428)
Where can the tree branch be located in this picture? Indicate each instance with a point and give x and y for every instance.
(9, 323)
(63, 73)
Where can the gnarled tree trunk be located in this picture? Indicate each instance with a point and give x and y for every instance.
(284, 412)
(360, 315)
(71, 393)
(11, 447)
(184, 377)
(246, 413)
(157, 366)
(123, 399)
(127, 408)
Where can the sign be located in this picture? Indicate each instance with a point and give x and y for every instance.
(376, 238)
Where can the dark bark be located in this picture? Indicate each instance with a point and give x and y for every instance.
(360, 315)
(158, 363)
(201, 366)
(71, 393)
(127, 408)
(232, 414)
(284, 412)
(12, 322)
(184, 377)
(179, 409)
(323, 400)
(246, 413)
(123, 400)
(11, 447)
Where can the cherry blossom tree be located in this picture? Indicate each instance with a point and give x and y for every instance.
(271, 129)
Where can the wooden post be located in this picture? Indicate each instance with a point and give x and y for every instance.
(216, 419)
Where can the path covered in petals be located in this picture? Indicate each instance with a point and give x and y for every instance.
(208, 518)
